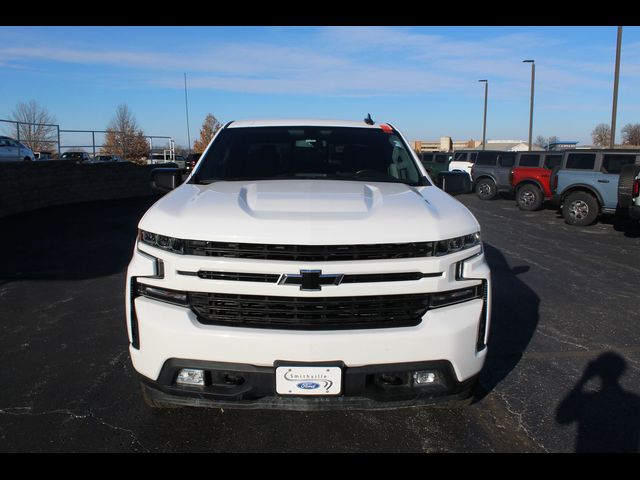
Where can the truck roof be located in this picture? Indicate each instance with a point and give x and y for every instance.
(300, 122)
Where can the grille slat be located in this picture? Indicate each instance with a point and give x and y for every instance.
(382, 311)
(309, 253)
(273, 278)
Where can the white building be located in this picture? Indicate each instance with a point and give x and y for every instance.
(507, 145)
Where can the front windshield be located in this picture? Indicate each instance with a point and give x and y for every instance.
(336, 153)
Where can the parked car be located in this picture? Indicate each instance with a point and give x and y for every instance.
(78, 157)
(43, 156)
(158, 158)
(463, 160)
(587, 183)
(307, 265)
(13, 151)
(490, 173)
(191, 161)
(107, 159)
(530, 178)
(629, 191)
(435, 163)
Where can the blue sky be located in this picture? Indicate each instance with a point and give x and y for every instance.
(421, 79)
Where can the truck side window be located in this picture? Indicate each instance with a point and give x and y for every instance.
(552, 161)
(507, 159)
(613, 163)
(487, 159)
(529, 160)
(581, 161)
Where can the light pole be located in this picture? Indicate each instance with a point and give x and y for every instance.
(186, 106)
(484, 123)
(533, 79)
(612, 143)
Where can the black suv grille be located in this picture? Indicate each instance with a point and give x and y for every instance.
(305, 313)
(309, 253)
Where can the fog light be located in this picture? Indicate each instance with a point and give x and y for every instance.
(425, 377)
(190, 376)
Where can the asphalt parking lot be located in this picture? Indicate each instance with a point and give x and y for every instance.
(563, 373)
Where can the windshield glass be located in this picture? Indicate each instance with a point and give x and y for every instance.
(336, 153)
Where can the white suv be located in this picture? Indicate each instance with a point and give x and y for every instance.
(307, 265)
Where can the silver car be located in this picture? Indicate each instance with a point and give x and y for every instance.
(13, 151)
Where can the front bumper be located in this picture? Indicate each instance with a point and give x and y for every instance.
(363, 387)
(160, 332)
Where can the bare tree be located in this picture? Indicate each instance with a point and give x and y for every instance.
(36, 131)
(209, 128)
(545, 141)
(631, 134)
(124, 137)
(601, 135)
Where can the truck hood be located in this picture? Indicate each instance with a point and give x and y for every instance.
(309, 212)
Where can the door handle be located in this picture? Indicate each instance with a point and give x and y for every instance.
(603, 181)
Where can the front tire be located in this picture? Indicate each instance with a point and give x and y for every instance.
(580, 209)
(529, 198)
(27, 159)
(486, 189)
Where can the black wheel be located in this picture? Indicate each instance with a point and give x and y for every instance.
(27, 159)
(625, 185)
(486, 189)
(529, 198)
(580, 209)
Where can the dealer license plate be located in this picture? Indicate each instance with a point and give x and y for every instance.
(298, 380)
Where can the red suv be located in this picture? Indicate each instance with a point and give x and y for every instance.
(532, 177)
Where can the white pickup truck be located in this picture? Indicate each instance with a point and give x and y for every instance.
(307, 264)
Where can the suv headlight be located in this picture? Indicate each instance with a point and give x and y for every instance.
(170, 244)
(456, 244)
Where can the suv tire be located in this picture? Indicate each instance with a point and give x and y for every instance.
(529, 198)
(486, 189)
(625, 185)
(580, 209)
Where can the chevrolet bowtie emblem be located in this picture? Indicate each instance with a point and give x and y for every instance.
(310, 279)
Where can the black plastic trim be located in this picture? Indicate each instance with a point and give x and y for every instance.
(347, 278)
(361, 386)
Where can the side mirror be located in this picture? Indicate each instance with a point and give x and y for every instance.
(454, 183)
(165, 179)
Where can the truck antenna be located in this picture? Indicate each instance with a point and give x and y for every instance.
(369, 120)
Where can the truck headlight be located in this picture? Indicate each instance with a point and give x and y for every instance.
(170, 244)
(456, 244)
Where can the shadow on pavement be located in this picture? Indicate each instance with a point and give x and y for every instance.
(608, 419)
(514, 319)
(630, 228)
(69, 242)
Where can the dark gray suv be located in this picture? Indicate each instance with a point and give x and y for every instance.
(490, 173)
